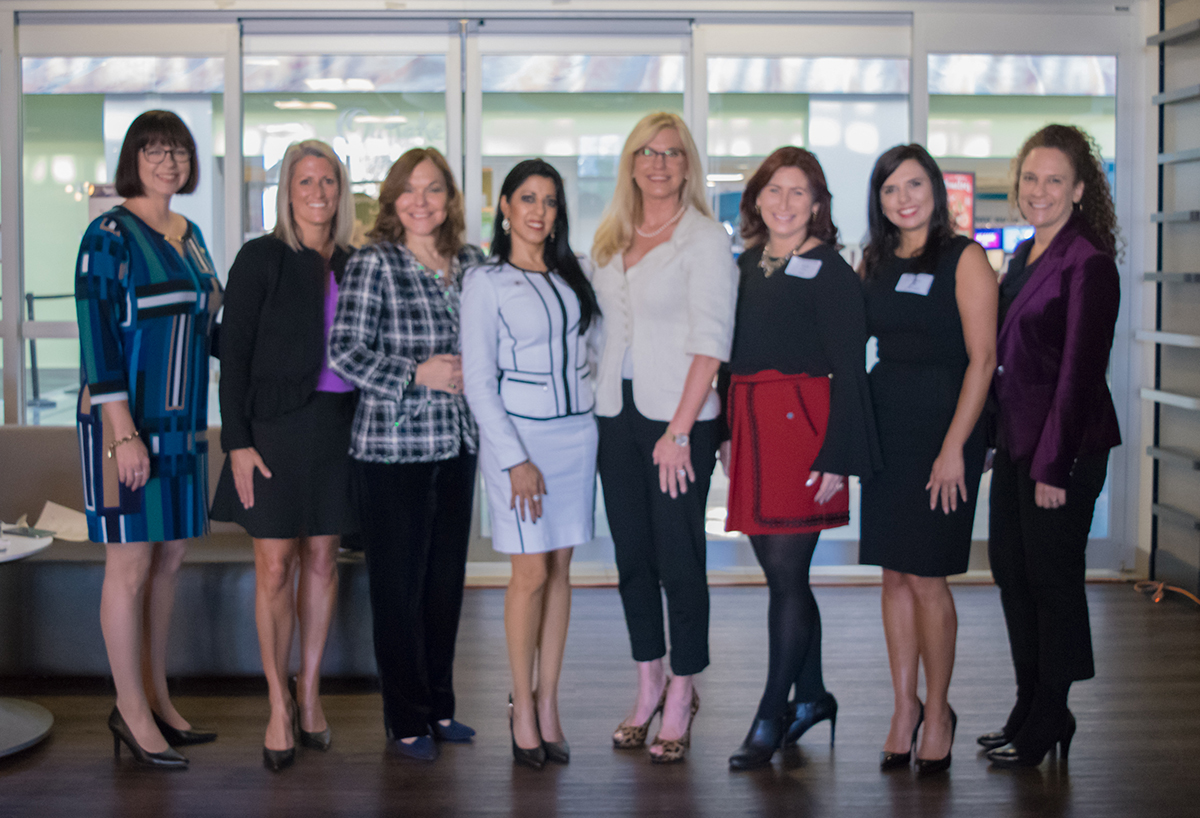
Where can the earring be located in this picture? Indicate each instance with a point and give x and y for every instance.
(757, 209)
(506, 225)
(553, 230)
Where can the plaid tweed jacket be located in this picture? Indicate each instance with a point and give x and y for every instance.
(393, 314)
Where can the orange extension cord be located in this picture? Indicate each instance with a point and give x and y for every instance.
(1159, 590)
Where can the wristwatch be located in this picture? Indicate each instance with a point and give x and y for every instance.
(680, 440)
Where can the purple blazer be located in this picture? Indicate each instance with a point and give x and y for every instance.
(1051, 356)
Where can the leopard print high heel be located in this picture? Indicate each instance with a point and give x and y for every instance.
(632, 736)
(675, 749)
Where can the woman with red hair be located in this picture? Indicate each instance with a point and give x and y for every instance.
(800, 420)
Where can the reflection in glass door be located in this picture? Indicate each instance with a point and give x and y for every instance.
(574, 111)
(846, 110)
(75, 111)
(369, 108)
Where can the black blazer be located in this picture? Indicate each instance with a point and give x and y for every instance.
(272, 334)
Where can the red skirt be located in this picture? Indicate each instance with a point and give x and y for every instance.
(778, 424)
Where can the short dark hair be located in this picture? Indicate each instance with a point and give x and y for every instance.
(820, 226)
(154, 128)
(885, 236)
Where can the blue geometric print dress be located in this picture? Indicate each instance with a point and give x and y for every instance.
(145, 314)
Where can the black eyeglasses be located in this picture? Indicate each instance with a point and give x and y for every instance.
(156, 155)
(670, 154)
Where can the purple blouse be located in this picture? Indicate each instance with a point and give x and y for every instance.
(328, 380)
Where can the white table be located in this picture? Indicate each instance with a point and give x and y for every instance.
(22, 724)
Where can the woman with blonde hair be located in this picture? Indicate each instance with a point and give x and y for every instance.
(414, 441)
(666, 284)
(286, 428)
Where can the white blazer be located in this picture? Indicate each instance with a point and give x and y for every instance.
(678, 301)
(522, 354)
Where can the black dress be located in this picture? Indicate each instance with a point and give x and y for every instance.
(915, 388)
(272, 349)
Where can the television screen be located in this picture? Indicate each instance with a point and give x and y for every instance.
(989, 239)
(1013, 236)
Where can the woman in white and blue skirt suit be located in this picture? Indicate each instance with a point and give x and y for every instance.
(526, 317)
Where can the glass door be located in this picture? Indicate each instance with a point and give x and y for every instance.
(369, 98)
(81, 87)
(840, 91)
(571, 101)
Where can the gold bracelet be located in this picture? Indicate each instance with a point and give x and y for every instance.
(112, 447)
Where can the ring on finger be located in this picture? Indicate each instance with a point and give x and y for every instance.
(681, 472)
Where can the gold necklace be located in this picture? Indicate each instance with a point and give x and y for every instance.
(770, 264)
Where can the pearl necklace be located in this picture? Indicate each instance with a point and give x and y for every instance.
(665, 225)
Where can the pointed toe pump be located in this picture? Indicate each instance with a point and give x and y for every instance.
(894, 761)
(535, 757)
(929, 766)
(170, 759)
(182, 738)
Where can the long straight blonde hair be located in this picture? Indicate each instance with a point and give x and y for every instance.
(342, 227)
(615, 232)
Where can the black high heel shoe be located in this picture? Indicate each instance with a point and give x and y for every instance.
(278, 760)
(535, 758)
(314, 741)
(1010, 756)
(806, 714)
(557, 751)
(892, 761)
(182, 738)
(170, 759)
(990, 741)
(765, 737)
(929, 766)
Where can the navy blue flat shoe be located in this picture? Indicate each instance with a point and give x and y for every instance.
(455, 731)
(423, 749)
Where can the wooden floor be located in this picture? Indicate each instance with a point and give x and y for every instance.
(1135, 753)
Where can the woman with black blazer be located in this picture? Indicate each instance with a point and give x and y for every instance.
(1056, 423)
(286, 420)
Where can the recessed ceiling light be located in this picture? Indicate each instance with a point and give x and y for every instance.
(394, 119)
(339, 84)
(302, 105)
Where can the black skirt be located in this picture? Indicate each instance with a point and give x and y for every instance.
(311, 490)
(914, 405)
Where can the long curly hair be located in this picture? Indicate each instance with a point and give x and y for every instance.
(1081, 150)
(821, 226)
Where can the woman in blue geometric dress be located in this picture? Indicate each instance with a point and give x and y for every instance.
(146, 295)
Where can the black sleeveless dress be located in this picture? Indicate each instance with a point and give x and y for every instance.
(915, 387)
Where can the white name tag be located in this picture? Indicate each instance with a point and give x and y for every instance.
(803, 267)
(915, 283)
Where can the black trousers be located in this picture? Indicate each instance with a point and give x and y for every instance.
(659, 542)
(1037, 558)
(416, 523)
